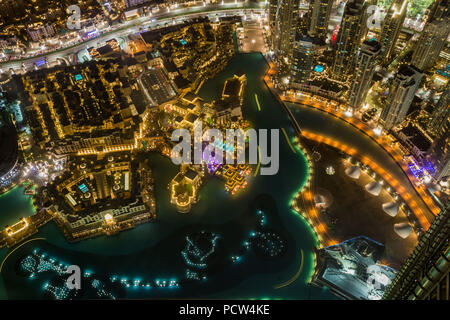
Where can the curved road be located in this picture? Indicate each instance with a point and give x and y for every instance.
(324, 124)
(134, 26)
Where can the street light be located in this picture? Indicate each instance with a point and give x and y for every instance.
(377, 131)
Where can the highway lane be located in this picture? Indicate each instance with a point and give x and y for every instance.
(134, 26)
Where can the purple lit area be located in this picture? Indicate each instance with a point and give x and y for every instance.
(198, 157)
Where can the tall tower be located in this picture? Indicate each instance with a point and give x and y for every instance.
(433, 37)
(366, 17)
(392, 26)
(302, 59)
(438, 11)
(349, 39)
(285, 20)
(319, 15)
(401, 94)
(364, 70)
(441, 114)
(439, 152)
(425, 275)
(273, 4)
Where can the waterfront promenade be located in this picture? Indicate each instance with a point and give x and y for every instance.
(391, 169)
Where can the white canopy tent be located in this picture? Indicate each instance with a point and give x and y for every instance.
(391, 208)
(403, 230)
(373, 188)
(353, 172)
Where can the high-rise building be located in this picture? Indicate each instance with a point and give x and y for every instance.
(367, 15)
(433, 37)
(303, 23)
(438, 11)
(364, 70)
(284, 27)
(273, 4)
(302, 59)
(401, 94)
(439, 152)
(440, 157)
(349, 39)
(319, 15)
(392, 26)
(425, 275)
(430, 43)
(441, 114)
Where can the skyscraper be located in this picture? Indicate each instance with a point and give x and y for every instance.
(364, 70)
(349, 39)
(367, 15)
(319, 15)
(400, 96)
(425, 275)
(302, 59)
(433, 37)
(440, 155)
(439, 152)
(441, 113)
(392, 25)
(438, 11)
(273, 4)
(284, 26)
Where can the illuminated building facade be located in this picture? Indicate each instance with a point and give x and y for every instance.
(273, 5)
(364, 70)
(367, 14)
(400, 96)
(41, 31)
(102, 195)
(433, 37)
(349, 39)
(302, 59)
(425, 275)
(88, 100)
(283, 31)
(440, 124)
(184, 190)
(439, 11)
(319, 14)
(392, 26)
(441, 115)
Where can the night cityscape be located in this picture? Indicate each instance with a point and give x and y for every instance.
(224, 150)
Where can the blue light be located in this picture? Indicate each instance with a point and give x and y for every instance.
(40, 62)
(91, 33)
(83, 188)
(318, 68)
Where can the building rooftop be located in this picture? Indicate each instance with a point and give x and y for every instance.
(416, 137)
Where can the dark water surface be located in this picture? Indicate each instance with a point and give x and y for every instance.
(152, 250)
